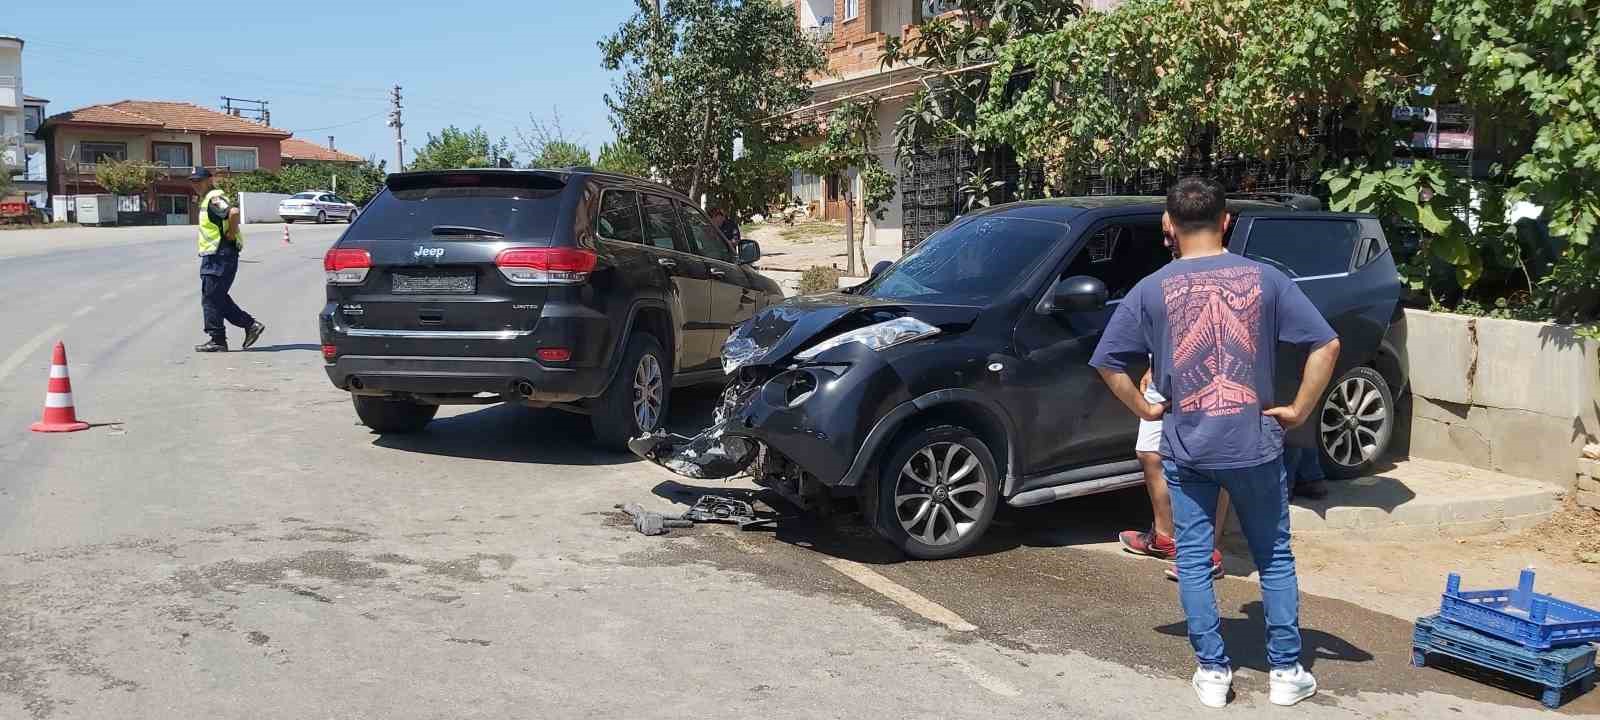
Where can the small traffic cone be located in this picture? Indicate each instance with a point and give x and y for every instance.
(286, 239)
(59, 415)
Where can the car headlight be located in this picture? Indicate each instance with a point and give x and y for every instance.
(737, 350)
(879, 336)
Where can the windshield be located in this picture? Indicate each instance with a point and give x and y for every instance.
(519, 206)
(968, 263)
(303, 196)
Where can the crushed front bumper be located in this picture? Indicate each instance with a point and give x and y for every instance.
(818, 416)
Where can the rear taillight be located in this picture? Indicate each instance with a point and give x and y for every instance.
(545, 266)
(345, 266)
(553, 354)
(330, 352)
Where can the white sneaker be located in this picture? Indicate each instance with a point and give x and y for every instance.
(1212, 686)
(1290, 685)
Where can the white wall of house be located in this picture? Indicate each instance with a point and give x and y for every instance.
(13, 158)
(888, 230)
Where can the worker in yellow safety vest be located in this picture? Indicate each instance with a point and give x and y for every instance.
(220, 244)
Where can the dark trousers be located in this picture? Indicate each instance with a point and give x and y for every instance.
(216, 278)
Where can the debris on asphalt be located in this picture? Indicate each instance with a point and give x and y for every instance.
(706, 509)
(711, 455)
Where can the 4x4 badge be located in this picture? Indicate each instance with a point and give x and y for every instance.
(424, 251)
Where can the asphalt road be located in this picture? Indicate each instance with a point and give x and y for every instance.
(227, 542)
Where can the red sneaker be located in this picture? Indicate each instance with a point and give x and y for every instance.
(1216, 567)
(1149, 543)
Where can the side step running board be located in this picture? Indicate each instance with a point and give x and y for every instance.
(1077, 489)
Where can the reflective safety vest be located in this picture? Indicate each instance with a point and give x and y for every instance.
(210, 232)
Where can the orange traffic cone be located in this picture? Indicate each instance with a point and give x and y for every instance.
(59, 415)
(286, 239)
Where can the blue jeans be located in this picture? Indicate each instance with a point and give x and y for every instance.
(1303, 464)
(1260, 497)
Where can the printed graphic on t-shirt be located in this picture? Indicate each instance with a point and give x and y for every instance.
(1214, 317)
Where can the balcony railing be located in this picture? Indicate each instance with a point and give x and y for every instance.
(163, 172)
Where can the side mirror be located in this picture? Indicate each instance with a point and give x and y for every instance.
(881, 266)
(749, 252)
(1079, 293)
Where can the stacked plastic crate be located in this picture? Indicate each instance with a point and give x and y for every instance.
(1512, 634)
(930, 183)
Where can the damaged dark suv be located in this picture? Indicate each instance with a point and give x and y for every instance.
(958, 378)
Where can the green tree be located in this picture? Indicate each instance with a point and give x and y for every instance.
(699, 75)
(356, 183)
(457, 148)
(852, 132)
(620, 157)
(549, 146)
(124, 177)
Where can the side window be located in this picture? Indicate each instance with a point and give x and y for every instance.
(1303, 248)
(619, 216)
(1120, 255)
(704, 240)
(661, 224)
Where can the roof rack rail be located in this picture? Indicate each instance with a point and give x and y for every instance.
(1298, 201)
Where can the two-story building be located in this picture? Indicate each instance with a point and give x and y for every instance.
(22, 155)
(175, 137)
(851, 33)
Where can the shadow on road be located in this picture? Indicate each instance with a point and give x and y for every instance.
(514, 433)
(1247, 641)
(285, 348)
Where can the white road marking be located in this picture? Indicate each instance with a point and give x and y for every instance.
(905, 596)
(85, 310)
(25, 350)
(109, 295)
(979, 675)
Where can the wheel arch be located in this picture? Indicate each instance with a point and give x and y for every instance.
(651, 316)
(961, 407)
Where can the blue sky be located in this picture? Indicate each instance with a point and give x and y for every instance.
(327, 67)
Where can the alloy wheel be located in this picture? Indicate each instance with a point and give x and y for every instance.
(648, 391)
(1352, 420)
(941, 493)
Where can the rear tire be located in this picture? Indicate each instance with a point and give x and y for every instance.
(322, 217)
(396, 417)
(1354, 423)
(937, 493)
(637, 401)
(288, 221)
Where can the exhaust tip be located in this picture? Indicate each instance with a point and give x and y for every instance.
(356, 384)
(525, 389)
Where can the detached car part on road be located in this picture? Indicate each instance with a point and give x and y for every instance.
(580, 290)
(958, 378)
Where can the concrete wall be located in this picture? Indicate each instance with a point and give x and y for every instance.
(887, 231)
(1515, 397)
(257, 207)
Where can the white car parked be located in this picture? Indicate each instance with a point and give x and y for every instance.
(317, 205)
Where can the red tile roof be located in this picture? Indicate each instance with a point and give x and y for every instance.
(159, 115)
(297, 149)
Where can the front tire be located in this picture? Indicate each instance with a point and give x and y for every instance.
(1355, 423)
(937, 493)
(396, 417)
(636, 403)
(288, 221)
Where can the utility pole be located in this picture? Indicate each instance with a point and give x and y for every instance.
(399, 136)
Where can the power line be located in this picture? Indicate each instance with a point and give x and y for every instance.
(340, 125)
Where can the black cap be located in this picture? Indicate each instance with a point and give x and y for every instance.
(199, 174)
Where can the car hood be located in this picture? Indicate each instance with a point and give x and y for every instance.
(780, 331)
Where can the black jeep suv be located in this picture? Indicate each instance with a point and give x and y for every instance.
(958, 378)
(577, 289)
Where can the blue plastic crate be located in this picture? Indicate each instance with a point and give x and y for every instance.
(1519, 614)
(1561, 674)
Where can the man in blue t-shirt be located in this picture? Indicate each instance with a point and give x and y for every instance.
(1210, 322)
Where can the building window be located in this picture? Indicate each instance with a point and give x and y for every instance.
(98, 152)
(237, 159)
(173, 204)
(852, 8)
(177, 155)
(33, 116)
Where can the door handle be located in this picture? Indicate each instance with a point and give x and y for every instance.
(667, 263)
(717, 272)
